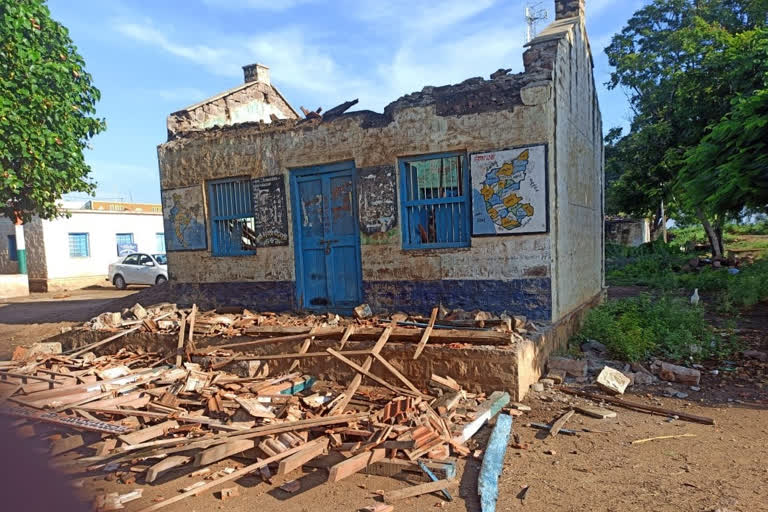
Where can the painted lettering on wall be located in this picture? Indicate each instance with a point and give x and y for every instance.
(509, 191)
(377, 200)
(184, 219)
(270, 211)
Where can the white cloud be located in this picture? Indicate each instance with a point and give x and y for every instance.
(420, 44)
(217, 60)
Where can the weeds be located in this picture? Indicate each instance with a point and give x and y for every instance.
(637, 328)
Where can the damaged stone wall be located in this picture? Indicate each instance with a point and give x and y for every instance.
(578, 223)
(253, 101)
(512, 273)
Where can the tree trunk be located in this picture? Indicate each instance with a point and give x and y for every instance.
(719, 233)
(663, 222)
(714, 240)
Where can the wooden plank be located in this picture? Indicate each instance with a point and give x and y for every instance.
(165, 465)
(485, 412)
(358, 379)
(345, 337)
(640, 407)
(303, 350)
(560, 423)
(64, 420)
(296, 355)
(261, 431)
(493, 463)
(394, 371)
(180, 343)
(97, 344)
(446, 383)
(223, 451)
(226, 478)
(400, 334)
(418, 490)
(354, 464)
(434, 478)
(66, 444)
(146, 434)
(313, 449)
(595, 412)
(368, 374)
(426, 334)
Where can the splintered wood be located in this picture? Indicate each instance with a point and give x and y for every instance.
(178, 412)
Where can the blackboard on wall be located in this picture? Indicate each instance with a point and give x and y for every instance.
(270, 211)
(377, 199)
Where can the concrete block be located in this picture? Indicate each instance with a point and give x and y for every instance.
(613, 380)
(674, 373)
(573, 367)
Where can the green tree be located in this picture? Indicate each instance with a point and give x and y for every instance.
(669, 58)
(47, 107)
(727, 171)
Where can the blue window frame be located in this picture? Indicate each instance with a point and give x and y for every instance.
(12, 248)
(160, 242)
(434, 193)
(79, 245)
(124, 238)
(233, 228)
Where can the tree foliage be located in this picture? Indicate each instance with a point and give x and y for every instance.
(682, 63)
(47, 107)
(727, 171)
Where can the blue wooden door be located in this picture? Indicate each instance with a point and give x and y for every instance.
(328, 275)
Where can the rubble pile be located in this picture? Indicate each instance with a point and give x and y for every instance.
(138, 415)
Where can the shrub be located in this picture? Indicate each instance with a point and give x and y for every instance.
(637, 328)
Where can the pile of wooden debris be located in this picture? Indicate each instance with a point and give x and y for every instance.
(235, 321)
(140, 415)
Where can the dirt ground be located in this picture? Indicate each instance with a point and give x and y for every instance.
(27, 320)
(722, 468)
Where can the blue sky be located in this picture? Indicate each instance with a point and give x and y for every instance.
(150, 58)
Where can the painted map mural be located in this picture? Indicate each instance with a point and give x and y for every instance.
(184, 219)
(509, 191)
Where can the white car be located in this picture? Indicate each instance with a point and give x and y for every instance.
(138, 268)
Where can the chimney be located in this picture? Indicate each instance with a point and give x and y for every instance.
(256, 73)
(569, 9)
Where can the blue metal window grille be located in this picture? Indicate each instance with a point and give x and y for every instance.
(232, 223)
(124, 238)
(434, 192)
(79, 246)
(12, 248)
(160, 242)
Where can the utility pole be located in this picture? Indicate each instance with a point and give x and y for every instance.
(533, 14)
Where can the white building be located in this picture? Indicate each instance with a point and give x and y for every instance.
(74, 252)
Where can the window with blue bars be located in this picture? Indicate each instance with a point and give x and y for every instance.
(79, 245)
(233, 228)
(12, 248)
(434, 191)
(124, 238)
(160, 242)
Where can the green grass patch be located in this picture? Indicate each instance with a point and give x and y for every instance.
(661, 266)
(638, 328)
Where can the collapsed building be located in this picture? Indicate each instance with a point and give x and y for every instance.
(486, 194)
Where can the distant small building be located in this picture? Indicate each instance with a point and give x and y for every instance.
(628, 232)
(74, 252)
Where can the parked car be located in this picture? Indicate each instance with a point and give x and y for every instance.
(138, 268)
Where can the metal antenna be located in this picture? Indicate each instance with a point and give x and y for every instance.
(534, 13)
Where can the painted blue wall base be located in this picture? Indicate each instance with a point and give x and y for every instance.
(530, 297)
(258, 295)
